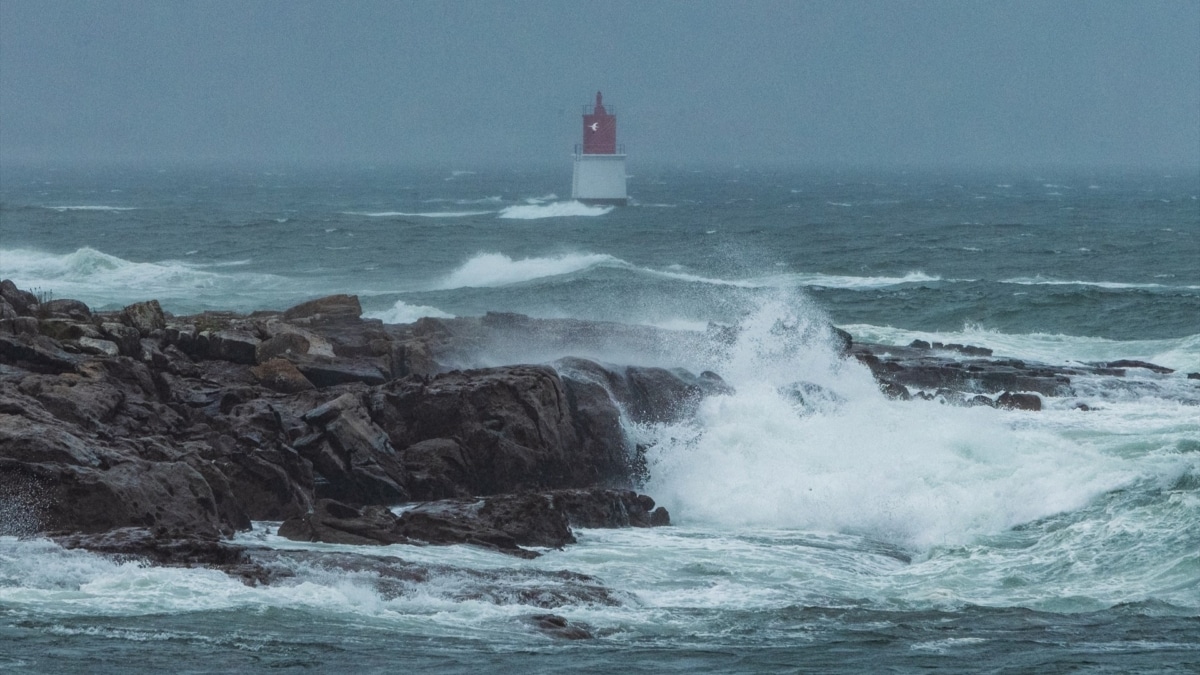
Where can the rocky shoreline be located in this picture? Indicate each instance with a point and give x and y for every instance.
(141, 434)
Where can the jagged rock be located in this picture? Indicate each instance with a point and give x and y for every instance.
(67, 309)
(99, 347)
(333, 522)
(558, 627)
(1013, 401)
(145, 317)
(132, 493)
(648, 395)
(282, 376)
(519, 427)
(352, 454)
(980, 400)
(325, 372)
(437, 468)
(23, 303)
(1128, 363)
(327, 309)
(127, 339)
(233, 345)
(895, 390)
(67, 329)
(281, 344)
(36, 353)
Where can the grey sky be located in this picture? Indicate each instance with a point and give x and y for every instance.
(1000, 83)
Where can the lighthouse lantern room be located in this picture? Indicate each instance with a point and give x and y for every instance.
(599, 176)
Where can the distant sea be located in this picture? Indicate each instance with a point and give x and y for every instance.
(870, 536)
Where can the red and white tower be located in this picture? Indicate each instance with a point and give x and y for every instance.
(599, 176)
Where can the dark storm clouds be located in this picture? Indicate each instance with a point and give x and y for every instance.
(861, 83)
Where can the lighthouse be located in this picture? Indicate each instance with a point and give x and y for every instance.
(599, 176)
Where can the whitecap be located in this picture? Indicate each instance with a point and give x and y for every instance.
(88, 207)
(402, 312)
(425, 214)
(497, 269)
(535, 211)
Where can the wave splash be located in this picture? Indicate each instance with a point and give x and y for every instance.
(402, 312)
(497, 269)
(913, 474)
(536, 210)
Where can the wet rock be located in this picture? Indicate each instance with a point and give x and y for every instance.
(127, 339)
(352, 454)
(325, 372)
(648, 395)
(519, 428)
(1193, 376)
(920, 344)
(980, 400)
(1011, 401)
(1127, 363)
(336, 523)
(558, 627)
(895, 391)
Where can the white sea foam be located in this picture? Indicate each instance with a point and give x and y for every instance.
(799, 279)
(418, 214)
(89, 207)
(1181, 354)
(1041, 281)
(402, 312)
(96, 277)
(913, 474)
(497, 269)
(537, 209)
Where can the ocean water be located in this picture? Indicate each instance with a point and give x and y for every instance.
(858, 535)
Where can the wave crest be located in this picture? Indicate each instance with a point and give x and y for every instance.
(535, 211)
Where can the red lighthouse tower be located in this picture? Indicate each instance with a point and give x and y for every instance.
(599, 176)
(599, 130)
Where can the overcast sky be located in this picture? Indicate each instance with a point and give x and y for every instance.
(1101, 82)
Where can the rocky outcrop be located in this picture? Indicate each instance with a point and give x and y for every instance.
(505, 523)
(198, 425)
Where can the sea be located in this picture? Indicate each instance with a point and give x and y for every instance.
(866, 535)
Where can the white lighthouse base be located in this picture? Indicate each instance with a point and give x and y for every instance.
(599, 179)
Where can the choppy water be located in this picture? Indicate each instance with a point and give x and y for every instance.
(863, 535)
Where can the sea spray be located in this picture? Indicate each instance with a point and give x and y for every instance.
(915, 474)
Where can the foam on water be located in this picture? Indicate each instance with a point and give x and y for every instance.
(497, 269)
(1181, 354)
(88, 207)
(914, 474)
(98, 278)
(1112, 285)
(536, 209)
(425, 214)
(402, 312)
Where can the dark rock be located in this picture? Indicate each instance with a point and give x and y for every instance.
(558, 627)
(337, 523)
(282, 376)
(237, 346)
(99, 347)
(843, 340)
(281, 344)
(36, 353)
(331, 308)
(1193, 376)
(160, 545)
(1013, 401)
(23, 303)
(519, 427)
(895, 391)
(648, 395)
(127, 339)
(67, 309)
(326, 372)
(145, 317)
(353, 454)
(1126, 363)
(437, 468)
(67, 329)
(919, 344)
(980, 400)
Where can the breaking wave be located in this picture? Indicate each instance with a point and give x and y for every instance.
(497, 269)
(534, 211)
(402, 312)
(425, 214)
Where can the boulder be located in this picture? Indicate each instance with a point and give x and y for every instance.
(1129, 363)
(519, 428)
(282, 376)
(352, 455)
(22, 302)
(332, 308)
(66, 309)
(1012, 401)
(237, 346)
(145, 317)
(326, 372)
